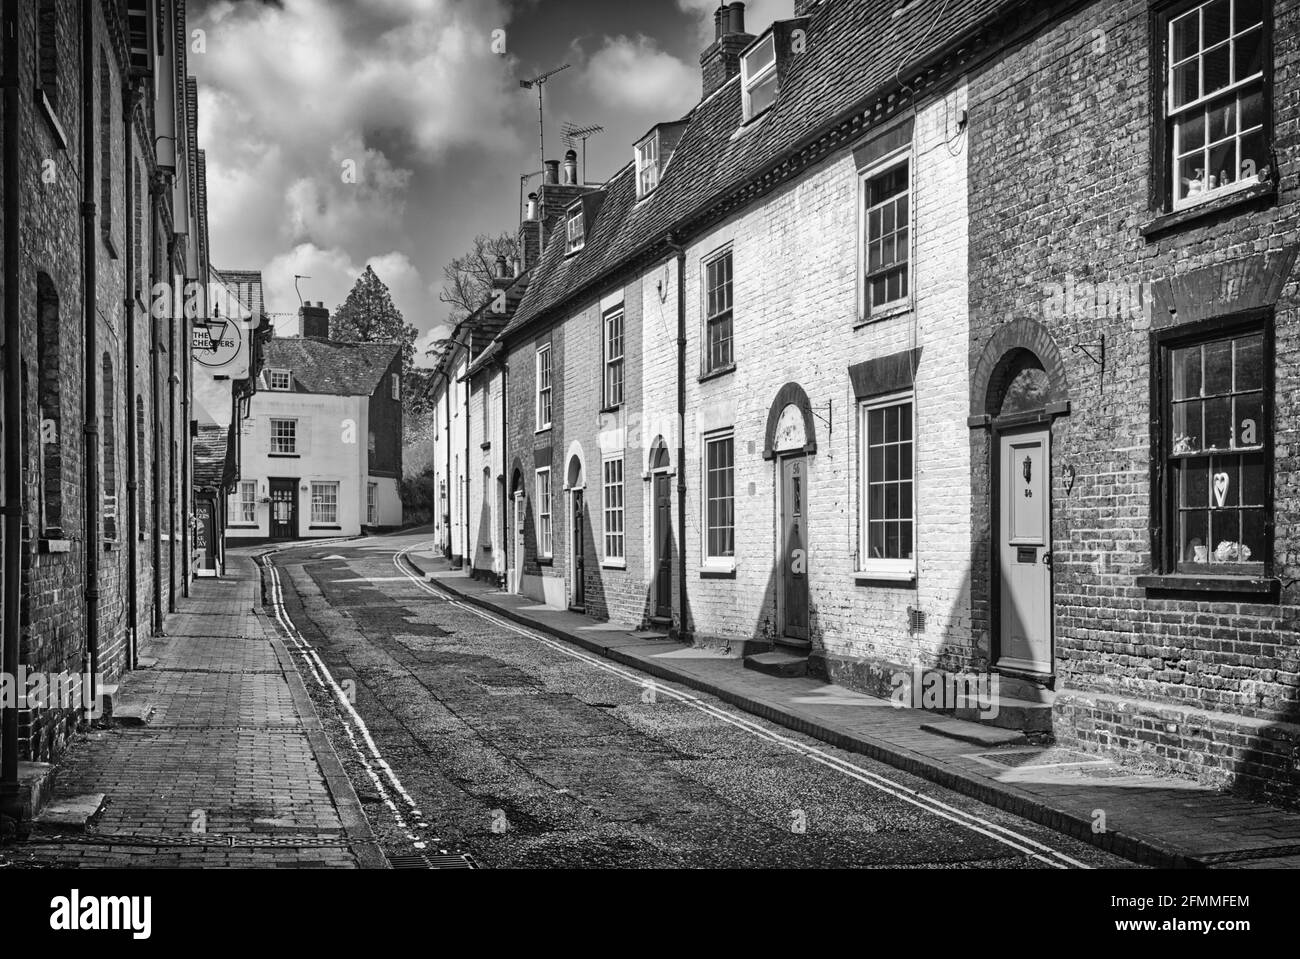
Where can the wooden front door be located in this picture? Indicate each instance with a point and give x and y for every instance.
(284, 509)
(663, 542)
(793, 558)
(579, 557)
(1024, 551)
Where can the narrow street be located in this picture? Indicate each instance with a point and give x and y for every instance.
(469, 736)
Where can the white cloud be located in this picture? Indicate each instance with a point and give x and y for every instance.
(632, 73)
(295, 95)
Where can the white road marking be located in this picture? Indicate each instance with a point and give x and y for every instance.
(978, 824)
(320, 672)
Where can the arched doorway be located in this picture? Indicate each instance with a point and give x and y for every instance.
(659, 467)
(575, 482)
(790, 441)
(518, 521)
(1018, 389)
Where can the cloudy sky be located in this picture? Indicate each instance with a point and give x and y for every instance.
(413, 96)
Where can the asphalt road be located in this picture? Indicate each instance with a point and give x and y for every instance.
(465, 736)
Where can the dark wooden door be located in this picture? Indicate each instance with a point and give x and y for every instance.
(794, 552)
(284, 509)
(579, 555)
(663, 540)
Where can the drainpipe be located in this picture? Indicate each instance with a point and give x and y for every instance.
(466, 555)
(11, 568)
(172, 380)
(185, 362)
(680, 250)
(446, 516)
(89, 226)
(507, 507)
(155, 405)
(132, 440)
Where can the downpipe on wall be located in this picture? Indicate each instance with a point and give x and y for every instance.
(89, 224)
(13, 398)
(132, 416)
(671, 241)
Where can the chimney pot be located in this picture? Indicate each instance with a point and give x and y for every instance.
(531, 213)
(501, 267)
(516, 266)
(571, 168)
(717, 22)
(552, 175)
(737, 17)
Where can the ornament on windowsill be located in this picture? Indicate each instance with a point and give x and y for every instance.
(1183, 444)
(1229, 552)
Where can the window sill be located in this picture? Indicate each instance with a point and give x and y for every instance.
(546, 561)
(1188, 215)
(56, 546)
(109, 244)
(110, 546)
(614, 564)
(285, 456)
(325, 527)
(868, 576)
(485, 446)
(241, 526)
(47, 110)
(1182, 582)
(719, 372)
(718, 571)
(883, 313)
(542, 429)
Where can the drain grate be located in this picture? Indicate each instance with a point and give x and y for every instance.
(422, 861)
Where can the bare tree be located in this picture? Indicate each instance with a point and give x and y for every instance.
(468, 278)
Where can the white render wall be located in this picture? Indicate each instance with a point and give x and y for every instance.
(333, 433)
(795, 258)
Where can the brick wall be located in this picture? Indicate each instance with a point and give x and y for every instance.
(1202, 684)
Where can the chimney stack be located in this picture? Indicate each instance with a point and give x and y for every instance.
(571, 168)
(721, 61)
(315, 321)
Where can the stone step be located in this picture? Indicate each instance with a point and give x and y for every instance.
(1019, 714)
(70, 815)
(1013, 687)
(35, 787)
(133, 712)
(778, 664)
(976, 733)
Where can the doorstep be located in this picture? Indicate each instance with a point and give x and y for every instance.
(1151, 819)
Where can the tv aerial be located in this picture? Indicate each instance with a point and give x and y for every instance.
(539, 82)
(574, 132)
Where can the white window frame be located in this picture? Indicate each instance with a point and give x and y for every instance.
(542, 502)
(247, 501)
(397, 386)
(544, 390)
(727, 314)
(271, 380)
(1202, 103)
(711, 562)
(881, 568)
(647, 165)
(867, 310)
(372, 504)
(615, 543)
(613, 362)
(575, 230)
(277, 450)
(319, 501)
(748, 82)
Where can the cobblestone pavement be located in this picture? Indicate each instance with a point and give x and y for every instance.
(468, 737)
(226, 773)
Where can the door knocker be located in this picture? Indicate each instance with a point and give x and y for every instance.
(1029, 472)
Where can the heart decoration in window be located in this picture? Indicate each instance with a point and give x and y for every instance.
(1220, 488)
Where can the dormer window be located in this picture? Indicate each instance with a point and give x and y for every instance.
(647, 165)
(575, 230)
(279, 380)
(758, 76)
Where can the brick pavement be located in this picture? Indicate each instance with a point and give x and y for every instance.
(233, 770)
(1155, 819)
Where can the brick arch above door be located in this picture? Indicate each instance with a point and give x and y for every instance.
(792, 394)
(1010, 339)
